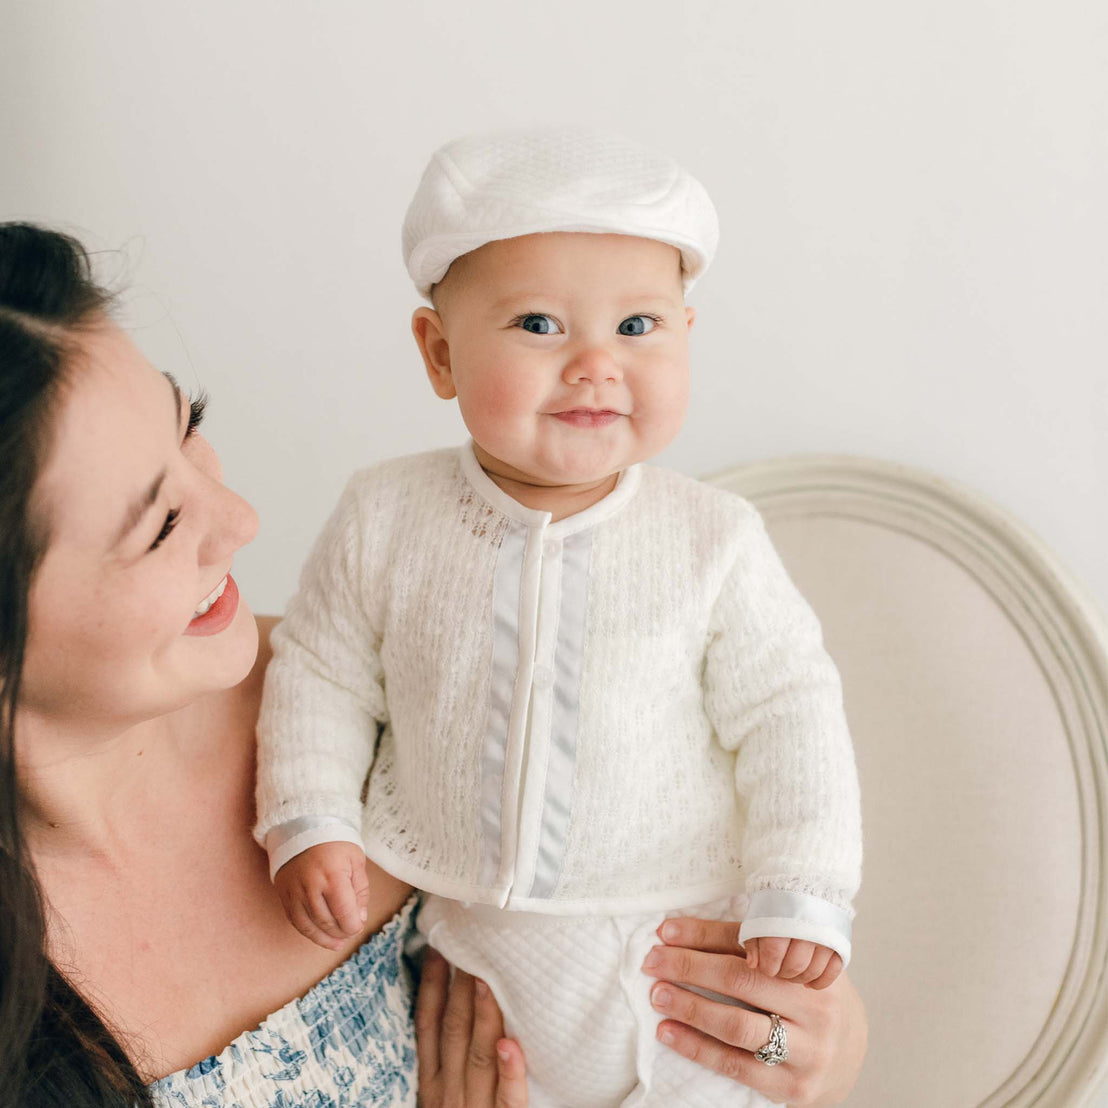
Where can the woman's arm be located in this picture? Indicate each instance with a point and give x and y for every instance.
(826, 1029)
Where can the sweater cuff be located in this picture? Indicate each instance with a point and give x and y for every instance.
(284, 842)
(774, 913)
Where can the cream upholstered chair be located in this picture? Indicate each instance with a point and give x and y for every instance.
(976, 683)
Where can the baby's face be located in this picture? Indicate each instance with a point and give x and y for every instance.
(568, 353)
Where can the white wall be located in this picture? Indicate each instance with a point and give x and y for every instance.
(912, 199)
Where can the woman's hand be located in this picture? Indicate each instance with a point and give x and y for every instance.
(464, 1060)
(826, 1028)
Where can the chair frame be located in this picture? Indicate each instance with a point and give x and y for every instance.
(1067, 1065)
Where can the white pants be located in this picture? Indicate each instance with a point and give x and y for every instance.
(573, 993)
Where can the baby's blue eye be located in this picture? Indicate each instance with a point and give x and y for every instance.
(540, 325)
(636, 325)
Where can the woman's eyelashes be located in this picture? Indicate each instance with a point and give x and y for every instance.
(196, 416)
(172, 516)
(197, 406)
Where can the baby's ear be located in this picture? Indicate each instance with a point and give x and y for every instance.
(430, 336)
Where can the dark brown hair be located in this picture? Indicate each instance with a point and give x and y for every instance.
(54, 1048)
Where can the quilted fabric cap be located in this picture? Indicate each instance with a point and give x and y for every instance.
(486, 187)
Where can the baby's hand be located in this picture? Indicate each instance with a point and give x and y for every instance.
(794, 960)
(325, 892)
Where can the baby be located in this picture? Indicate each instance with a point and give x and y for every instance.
(565, 694)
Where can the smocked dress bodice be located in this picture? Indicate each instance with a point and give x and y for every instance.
(349, 1042)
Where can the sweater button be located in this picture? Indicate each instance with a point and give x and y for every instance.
(543, 678)
(552, 549)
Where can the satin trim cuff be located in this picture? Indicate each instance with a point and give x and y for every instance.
(774, 913)
(285, 841)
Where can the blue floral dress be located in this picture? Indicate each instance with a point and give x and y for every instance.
(349, 1042)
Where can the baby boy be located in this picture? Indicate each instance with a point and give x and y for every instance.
(583, 690)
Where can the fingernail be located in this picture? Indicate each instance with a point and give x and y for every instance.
(661, 996)
(502, 1053)
(482, 989)
(667, 1036)
(653, 958)
(668, 932)
(364, 913)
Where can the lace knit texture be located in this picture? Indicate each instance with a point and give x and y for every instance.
(349, 1042)
(707, 728)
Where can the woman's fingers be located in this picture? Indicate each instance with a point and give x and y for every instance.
(726, 1022)
(482, 1064)
(715, 936)
(464, 1060)
(434, 981)
(739, 1065)
(494, 1072)
(511, 1092)
(730, 976)
(457, 1029)
(826, 1029)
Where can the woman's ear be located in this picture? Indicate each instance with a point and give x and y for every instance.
(690, 317)
(430, 336)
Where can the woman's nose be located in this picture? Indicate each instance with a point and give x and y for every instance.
(594, 364)
(231, 524)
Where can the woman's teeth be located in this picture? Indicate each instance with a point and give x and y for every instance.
(210, 599)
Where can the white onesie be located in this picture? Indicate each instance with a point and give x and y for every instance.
(626, 713)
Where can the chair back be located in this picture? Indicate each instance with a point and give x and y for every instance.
(975, 676)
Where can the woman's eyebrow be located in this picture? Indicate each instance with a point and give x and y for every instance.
(141, 505)
(139, 508)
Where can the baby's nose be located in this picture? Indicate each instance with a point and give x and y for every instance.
(594, 363)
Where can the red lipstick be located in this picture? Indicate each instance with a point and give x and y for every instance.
(218, 617)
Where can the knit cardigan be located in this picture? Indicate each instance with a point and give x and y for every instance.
(626, 710)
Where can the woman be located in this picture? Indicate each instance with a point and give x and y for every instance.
(140, 934)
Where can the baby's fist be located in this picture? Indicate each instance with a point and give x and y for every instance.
(325, 893)
(794, 960)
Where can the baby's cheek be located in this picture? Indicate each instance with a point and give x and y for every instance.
(503, 392)
(490, 410)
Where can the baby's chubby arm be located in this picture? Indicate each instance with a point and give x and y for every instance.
(774, 698)
(321, 708)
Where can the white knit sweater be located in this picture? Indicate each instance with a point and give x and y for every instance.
(627, 710)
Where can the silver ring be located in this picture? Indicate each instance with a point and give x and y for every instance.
(777, 1049)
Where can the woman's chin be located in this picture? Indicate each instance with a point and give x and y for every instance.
(228, 657)
(245, 628)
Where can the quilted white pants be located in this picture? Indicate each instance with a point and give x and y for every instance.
(573, 993)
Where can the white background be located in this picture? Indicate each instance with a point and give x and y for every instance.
(912, 196)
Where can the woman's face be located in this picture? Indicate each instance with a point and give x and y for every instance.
(141, 533)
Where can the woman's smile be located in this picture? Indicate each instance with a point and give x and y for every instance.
(211, 598)
(217, 610)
